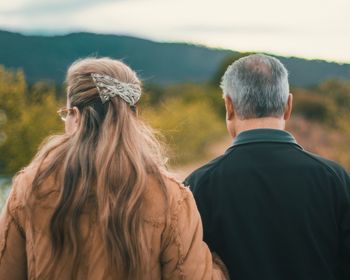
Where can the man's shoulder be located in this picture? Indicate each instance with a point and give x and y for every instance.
(333, 167)
(200, 175)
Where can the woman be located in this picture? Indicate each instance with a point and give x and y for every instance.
(95, 203)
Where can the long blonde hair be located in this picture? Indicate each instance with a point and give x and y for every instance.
(108, 159)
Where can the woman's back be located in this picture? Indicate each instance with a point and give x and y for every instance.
(176, 249)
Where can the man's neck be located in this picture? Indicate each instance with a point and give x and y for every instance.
(272, 123)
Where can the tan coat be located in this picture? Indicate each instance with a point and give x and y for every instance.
(177, 250)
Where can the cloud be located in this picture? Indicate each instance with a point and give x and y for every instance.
(296, 27)
(44, 7)
(239, 28)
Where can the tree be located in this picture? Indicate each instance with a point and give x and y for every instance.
(27, 116)
(216, 80)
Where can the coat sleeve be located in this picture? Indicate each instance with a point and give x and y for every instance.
(185, 255)
(13, 260)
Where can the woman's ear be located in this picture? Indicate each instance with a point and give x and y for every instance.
(76, 115)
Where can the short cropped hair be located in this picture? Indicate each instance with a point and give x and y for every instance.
(258, 86)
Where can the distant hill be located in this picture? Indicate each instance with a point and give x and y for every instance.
(47, 58)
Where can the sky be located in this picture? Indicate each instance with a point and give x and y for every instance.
(313, 29)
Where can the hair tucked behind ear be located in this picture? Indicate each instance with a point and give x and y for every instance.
(107, 160)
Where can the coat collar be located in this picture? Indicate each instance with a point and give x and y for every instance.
(264, 135)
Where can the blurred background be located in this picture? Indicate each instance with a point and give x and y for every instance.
(180, 49)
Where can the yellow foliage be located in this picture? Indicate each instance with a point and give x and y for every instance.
(188, 127)
(24, 120)
(190, 116)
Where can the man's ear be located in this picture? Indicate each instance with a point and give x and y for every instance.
(288, 108)
(230, 112)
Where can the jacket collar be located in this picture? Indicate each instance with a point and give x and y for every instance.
(264, 135)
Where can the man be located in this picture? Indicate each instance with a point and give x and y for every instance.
(270, 209)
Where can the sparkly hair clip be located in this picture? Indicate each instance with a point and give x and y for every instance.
(109, 87)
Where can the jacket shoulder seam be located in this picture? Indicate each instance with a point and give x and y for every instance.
(331, 170)
(213, 168)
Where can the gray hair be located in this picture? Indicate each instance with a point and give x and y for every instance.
(258, 86)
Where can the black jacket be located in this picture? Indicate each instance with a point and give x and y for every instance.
(271, 210)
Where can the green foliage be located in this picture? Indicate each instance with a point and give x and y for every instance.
(226, 63)
(191, 116)
(26, 118)
(338, 91)
(188, 127)
(47, 58)
(188, 93)
(314, 107)
(328, 103)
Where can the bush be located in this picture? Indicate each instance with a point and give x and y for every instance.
(188, 127)
(314, 107)
(26, 118)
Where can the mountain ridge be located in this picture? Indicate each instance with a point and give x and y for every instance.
(46, 57)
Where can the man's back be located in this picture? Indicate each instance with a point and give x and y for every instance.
(274, 211)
